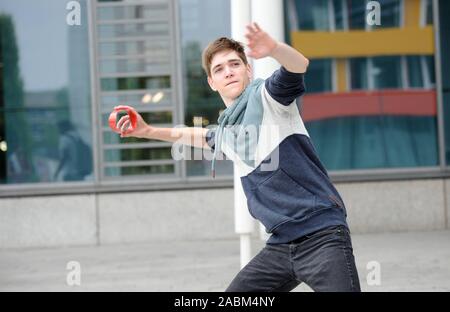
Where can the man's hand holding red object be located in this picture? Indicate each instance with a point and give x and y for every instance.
(129, 125)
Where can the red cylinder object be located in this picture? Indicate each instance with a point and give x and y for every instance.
(113, 119)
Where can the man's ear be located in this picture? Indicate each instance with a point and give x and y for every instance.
(211, 84)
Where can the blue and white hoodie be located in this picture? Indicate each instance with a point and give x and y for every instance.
(287, 187)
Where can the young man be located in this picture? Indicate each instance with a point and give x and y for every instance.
(286, 186)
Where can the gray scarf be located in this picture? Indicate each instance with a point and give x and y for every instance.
(233, 116)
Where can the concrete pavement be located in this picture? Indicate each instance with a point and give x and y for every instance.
(414, 261)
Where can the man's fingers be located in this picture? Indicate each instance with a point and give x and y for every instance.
(125, 126)
(252, 54)
(122, 120)
(251, 29)
(257, 26)
(250, 41)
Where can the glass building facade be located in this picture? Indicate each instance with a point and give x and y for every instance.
(377, 100)
(371, 100)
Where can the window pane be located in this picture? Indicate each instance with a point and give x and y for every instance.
(356, 14)
(153, 12)
(386, 72)
(390, 13)
(144, 98)
(138, 170)
(367, 142)
(444, 34)
(319, 76)
(200, 100)
(415, 75)
(446, 105)
(45, 98)
(358, 73)
(110, 137)
(137, 154)
(134, 83)
(138, 47)
(429, 65)
(135, 65)
(133, 30)
(313, 15)
(429, 12)
(338, 14)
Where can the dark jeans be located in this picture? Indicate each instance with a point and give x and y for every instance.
(323, 260)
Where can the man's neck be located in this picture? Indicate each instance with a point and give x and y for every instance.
(228, 102)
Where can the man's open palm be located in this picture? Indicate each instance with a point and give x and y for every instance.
(260, 44)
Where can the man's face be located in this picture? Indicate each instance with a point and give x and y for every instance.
(229, 75)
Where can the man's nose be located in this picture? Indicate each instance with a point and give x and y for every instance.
(228, 71)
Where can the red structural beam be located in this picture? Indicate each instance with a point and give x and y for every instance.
(369, 103)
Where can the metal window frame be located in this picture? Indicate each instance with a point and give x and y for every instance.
(439, 89)
(423, 13)
(334, 78)
(170, 70)
(404, 73)
(331, 17)
(169, 183)
(426, 75)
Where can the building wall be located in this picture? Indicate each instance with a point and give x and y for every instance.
(135, 217)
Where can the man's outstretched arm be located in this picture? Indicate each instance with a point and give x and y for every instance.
(261, 44)
(193, 136)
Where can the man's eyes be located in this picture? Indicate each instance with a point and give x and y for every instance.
(233, 64)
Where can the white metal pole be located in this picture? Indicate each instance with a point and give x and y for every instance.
(243, 221)
(269, 15)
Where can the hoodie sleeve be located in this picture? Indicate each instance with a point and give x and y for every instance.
(284, 86)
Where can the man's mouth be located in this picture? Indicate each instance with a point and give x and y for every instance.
(231, 83)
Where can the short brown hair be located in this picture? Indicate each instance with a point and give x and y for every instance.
(220, 45)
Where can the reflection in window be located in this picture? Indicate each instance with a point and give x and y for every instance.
(134, 83)
(138, 170)
(415, 75)
(428, 12)
(326, 15)
(313, 15)
(139, 47)
(137, 154)
(390, 13)
(155, 64)
(136, 57)
(45, 107)
(356, 10)
(368, 142)
(386, 72)
(393, 125)
(147, 98)
(133, 30)
(358, 73)
(339, 16)
(157, 11)
(201, 102)
(429, 72)
(319, 76)
(110, 137)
